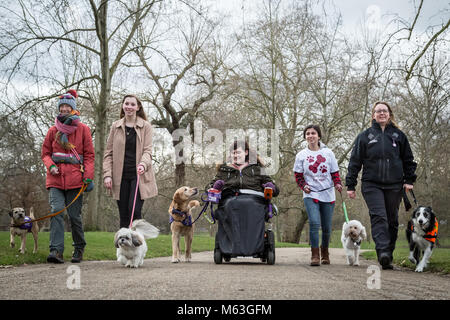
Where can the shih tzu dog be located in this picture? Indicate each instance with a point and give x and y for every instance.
(131, 245)
(353, 233)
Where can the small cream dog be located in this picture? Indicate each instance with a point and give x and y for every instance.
(131, 245)
(181, 221)
(19, 229)
(353, 233)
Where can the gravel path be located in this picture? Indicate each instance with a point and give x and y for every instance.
(291, 278)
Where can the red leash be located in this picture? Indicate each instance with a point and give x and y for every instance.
(134, 202)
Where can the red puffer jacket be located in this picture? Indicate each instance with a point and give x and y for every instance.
(70, 176)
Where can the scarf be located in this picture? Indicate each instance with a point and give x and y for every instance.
(66, 125)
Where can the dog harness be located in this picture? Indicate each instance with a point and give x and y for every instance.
(187, 219)
(431, 235)
(27, 225)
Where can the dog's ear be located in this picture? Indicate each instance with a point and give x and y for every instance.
(10, 213)
(363, 233)
(346, 229)
(116, 240)
(177, 196)
(413, 215)
(137, 241)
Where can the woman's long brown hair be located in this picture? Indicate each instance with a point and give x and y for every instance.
(140, 112)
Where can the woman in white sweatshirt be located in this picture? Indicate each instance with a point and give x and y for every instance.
(317, 174)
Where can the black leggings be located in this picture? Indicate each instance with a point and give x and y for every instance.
(127, 191)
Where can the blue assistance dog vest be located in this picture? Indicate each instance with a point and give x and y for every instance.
(187, 219)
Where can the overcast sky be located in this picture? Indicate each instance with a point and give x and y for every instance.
(354, 12)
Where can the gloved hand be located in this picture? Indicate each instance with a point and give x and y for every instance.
(269, 185)
(90, 184)
(218, 184)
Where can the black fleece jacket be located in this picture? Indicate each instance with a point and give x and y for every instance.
(385, 156)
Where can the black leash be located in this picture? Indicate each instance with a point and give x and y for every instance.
(406, 200)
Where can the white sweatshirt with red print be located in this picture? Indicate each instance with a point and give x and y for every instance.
(316, 168)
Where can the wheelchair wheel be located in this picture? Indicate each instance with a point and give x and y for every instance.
(217, 256)
(270, 247)
(271, 257)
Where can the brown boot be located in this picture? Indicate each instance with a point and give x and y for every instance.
(324, 255)
(315, 257)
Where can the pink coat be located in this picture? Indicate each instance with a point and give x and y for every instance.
(115, 152)
(70, 176)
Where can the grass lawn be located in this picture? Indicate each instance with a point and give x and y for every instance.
(100, 246)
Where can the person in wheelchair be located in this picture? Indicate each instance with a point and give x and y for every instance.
(244, 174)
(243, 209)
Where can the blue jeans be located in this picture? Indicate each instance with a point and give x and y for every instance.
(58, 200)
(319, 215)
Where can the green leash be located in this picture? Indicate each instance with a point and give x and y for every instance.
(344, 207)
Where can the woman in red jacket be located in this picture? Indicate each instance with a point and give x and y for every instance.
(68, 155)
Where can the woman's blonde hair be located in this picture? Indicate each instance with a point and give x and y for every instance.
(391, 114)
(140, 112)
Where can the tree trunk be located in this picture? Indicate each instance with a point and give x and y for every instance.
(95, 203)
(180, 174)
(300, 225)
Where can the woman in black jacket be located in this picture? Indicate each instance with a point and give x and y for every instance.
(242, 172)
(388, 166)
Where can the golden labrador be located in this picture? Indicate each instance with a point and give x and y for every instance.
(181, 221)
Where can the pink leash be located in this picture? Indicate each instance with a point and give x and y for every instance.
(134, 202)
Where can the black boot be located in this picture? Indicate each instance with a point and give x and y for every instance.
(385, 260)
(77, 255)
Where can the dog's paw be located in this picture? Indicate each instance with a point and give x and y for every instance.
(187, 260)
(12, 244)
(412, 260)
(350, 260)
(175, 260)
(419, 269)
(193, 204)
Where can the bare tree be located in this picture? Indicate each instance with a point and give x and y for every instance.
(93, 37)
(184, 78)
(434, 34)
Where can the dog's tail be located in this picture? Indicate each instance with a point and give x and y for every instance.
(148, 230)
(32, 213)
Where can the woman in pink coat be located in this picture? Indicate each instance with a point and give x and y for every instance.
(129, 154)
(68, 155)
